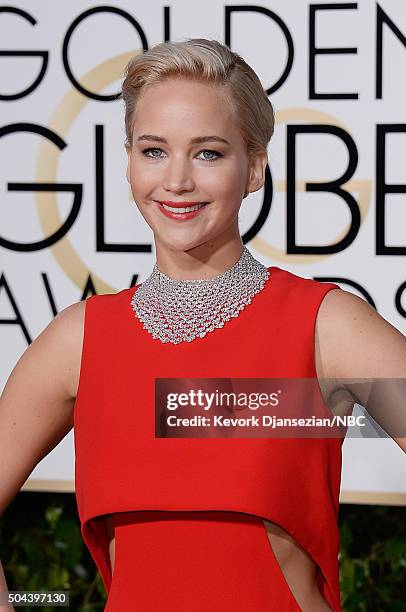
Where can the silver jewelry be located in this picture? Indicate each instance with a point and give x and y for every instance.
(181, 310)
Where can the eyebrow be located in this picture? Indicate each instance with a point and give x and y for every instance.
(198, 139)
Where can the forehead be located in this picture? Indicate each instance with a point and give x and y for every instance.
(191, 105)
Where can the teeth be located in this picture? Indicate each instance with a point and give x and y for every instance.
(182, 210)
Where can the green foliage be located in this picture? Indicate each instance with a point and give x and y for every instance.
(373, 558)
(41, 547)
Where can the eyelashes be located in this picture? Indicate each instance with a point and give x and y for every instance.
(216, 154)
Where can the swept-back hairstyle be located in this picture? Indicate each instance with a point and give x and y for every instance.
(207, 61)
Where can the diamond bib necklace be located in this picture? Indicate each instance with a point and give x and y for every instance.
(181, 310)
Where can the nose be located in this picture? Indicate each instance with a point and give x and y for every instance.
(178, 176)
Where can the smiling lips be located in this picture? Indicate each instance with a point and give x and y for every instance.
(181, 210)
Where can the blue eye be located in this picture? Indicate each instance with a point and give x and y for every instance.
(146, 151)
(215, 153)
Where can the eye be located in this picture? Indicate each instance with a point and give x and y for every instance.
(215, 153)
(146, 151)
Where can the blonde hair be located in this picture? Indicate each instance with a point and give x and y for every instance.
(207, 61)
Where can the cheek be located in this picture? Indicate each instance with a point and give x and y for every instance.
(227, 182)
(143, 178)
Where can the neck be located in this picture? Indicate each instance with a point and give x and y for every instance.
(201, 262)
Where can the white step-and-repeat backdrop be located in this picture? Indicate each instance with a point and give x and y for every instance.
(68, 225)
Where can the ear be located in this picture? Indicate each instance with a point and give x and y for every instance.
(128, 173)
(256, 172)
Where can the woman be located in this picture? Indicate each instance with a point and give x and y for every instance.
(196, 524)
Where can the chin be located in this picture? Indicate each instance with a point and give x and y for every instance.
(181, 245)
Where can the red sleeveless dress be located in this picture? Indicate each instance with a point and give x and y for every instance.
(188, 512)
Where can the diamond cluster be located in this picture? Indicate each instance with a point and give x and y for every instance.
(181, 310)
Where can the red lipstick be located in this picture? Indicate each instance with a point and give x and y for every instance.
(181, 216)
(180, 204)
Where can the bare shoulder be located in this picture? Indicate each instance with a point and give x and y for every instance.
(340, 302)
(70, 320)
(54, 356)
(355, 340)
(68, 328)
(366, 357)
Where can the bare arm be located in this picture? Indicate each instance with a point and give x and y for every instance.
(36, 406)
(367, 355)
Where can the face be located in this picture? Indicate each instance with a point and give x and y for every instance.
(187, 149)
